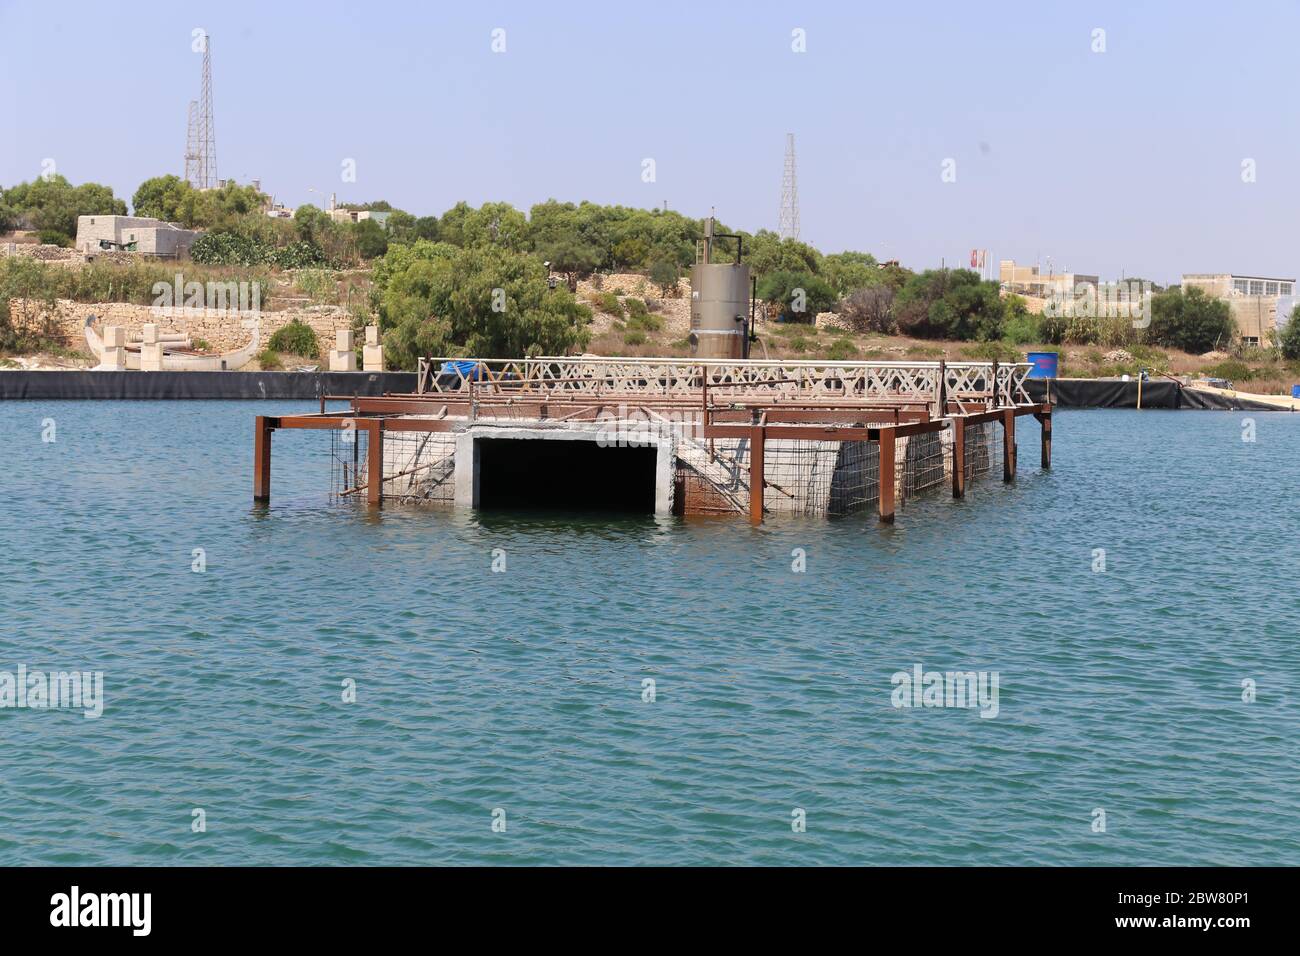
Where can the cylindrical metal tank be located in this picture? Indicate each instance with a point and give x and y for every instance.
(719, 309)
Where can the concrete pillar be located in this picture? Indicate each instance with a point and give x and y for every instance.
(114, 355)
(151, 350)
(343, 357)
(372, 353)
(665, 473)
(467, 471)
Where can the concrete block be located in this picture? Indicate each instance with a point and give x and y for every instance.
(343, 360)
(114, 358)
(149, 333)
(372, 358)
(372, 335)
(344, 340)
(151, 356)
(114, 336)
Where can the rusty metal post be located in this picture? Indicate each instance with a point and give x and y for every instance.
(887, 448)
(262, 459)
(1009, 445)
(959, 457)
(1046, 419)
(757, 439)
(375, 462)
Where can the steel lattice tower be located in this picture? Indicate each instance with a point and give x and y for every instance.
(788, 224)
(201, 139)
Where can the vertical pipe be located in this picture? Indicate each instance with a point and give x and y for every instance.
(1046, 419)
(1009, 445)
(375, 462)
(756, 481)
(1139, 388)
(959, 457)
(262, 459)
(887, 447)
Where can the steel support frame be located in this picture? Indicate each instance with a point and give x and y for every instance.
(801, 419)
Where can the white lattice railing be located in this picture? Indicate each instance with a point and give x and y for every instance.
(916, 381)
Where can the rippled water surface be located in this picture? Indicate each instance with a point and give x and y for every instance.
(1120, 690)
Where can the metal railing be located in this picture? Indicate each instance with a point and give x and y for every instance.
(776, 379)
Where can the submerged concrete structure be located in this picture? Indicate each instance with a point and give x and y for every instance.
(673, 436)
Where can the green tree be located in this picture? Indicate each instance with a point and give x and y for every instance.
(484, 302)
(1189, 320)
(53, 204)
(168, 198)
(1288, 339)
(847, 272)
(370, 238)
(664, 272)
(949, 304)
(799, 295)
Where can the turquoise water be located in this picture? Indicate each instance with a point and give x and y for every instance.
(1119, 690)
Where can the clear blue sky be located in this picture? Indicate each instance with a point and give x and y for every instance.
(1124, 160)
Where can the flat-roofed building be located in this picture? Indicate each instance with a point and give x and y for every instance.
(1253, 300)
(1038, 289)
(142, 234)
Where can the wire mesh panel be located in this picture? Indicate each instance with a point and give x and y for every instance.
(347, 462)
(927, 462)
(420, 467)
(981, 440)
(855, 485)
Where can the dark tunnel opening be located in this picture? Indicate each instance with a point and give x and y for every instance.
(565, 475)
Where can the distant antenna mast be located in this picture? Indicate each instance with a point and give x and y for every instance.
(201, 139)
(788, 225)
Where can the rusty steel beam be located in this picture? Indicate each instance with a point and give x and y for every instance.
(375, 462)
(263, 428)
(959, 457)
(1008, 445)
(886, 482)
(1045, 419)
(757, 482)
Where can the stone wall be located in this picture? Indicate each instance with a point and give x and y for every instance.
(223, 331)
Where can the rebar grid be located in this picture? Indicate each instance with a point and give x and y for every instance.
(927, 462)
(981, 440)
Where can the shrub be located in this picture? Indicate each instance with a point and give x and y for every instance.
(297, 338)
(1231, 370)
(993, 351)
(841, 350)
(634, 337)
(1023, 329)
(608, 302)
(869, 310)
(269, 360)
(54, 237)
